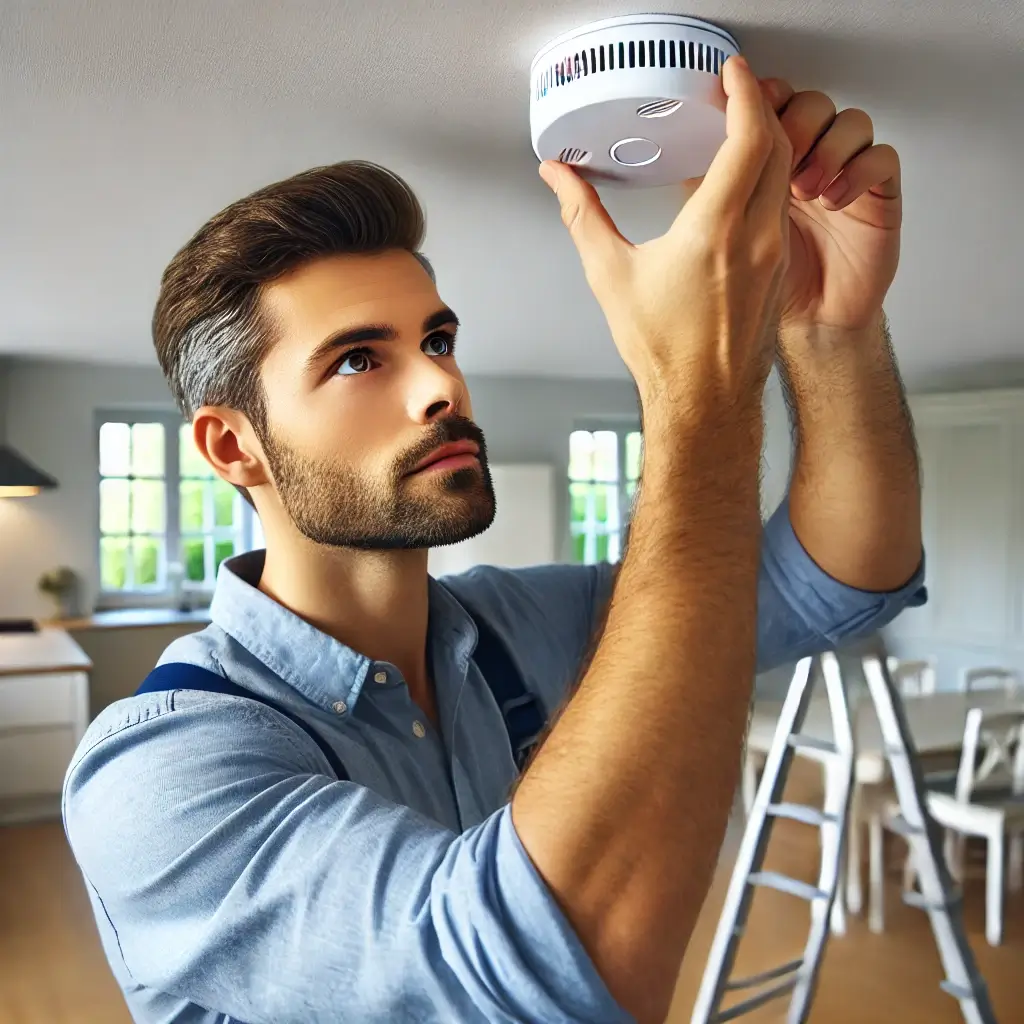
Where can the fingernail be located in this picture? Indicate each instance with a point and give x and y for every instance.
(547, 173)
(836, 191)
(809, 179)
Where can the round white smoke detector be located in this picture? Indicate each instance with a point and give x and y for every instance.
(632, 101)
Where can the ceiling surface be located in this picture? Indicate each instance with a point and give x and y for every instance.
(126, 123)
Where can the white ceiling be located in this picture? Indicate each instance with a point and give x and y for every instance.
(126, 123)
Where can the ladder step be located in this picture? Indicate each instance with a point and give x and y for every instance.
(783, 883)
(801, 812)
(960, 992)
(755, 1001)
(915, 899)
(800, 742)
(759, 979)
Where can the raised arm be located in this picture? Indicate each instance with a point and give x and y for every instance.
(624, 808)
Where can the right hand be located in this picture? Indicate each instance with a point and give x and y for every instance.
(693, 313)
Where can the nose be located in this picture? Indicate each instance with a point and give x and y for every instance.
(434, 392)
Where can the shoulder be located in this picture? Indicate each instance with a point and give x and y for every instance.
(140, 737)
(531, 592)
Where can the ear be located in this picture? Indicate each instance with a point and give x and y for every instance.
(226, 440)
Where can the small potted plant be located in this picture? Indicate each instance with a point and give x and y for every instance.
(61, 585)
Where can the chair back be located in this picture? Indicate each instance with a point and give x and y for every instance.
(990, 677)
(912, 678)
(992, 757)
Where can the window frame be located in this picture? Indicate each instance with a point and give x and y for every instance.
(621, 426)
(199, 594)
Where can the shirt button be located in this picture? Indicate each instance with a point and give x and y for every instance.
(340, 706)
(380, 677)
(418, 731)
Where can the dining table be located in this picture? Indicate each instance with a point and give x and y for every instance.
(936, 722)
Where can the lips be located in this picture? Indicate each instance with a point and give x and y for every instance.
(453, 450)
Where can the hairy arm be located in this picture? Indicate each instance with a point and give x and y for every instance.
(855, 494)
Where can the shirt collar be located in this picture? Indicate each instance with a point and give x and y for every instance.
(322, 669)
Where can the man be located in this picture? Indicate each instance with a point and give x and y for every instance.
(233, 874)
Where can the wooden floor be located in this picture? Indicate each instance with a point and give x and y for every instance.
(52, 969)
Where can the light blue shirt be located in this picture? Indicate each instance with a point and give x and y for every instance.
(233, 879)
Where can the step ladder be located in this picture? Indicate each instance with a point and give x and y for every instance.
(938, 896)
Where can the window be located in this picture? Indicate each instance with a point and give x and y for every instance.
(164, 514)
(604, 467)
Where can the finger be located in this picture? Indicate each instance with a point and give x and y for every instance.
(808, 115)
(779, 93)
(875, 170)
(771, 196)
(591, 228)
(737, 166)
(849, 134)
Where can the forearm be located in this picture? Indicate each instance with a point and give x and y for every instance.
(624, 808)
(855, 493)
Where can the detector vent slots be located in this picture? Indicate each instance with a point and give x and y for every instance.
(633, 101)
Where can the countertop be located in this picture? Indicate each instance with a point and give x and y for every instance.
(49, 650)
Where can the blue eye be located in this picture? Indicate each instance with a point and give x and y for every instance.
(439, 345)
(356, 362)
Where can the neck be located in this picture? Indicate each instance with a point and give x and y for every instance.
(375, 602)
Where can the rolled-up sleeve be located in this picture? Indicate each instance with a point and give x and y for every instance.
(237, 877)
(802, 610)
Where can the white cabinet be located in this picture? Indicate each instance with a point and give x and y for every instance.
(972, 455)
(44, 711)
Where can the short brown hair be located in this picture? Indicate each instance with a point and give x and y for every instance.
(210, 333)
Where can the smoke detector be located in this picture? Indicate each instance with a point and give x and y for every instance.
(632, 101)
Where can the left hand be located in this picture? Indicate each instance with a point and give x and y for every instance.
(845, 213)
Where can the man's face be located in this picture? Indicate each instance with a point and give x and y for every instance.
(361, 388)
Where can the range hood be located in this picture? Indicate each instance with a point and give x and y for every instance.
(19, 478)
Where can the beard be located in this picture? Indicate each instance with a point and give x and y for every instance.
(344, 507)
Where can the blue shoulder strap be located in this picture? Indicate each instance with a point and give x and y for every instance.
(179, 675)
(524, 718)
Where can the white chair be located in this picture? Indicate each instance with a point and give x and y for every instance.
(985, 798)
(990, 677)
(912, 677)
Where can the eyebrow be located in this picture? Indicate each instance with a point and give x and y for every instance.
(444, 317)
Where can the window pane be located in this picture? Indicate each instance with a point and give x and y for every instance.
(602, 547)
(148, 449)
(114, 563)
(146, 560)
(608, 506)
(634, 454)
(222, 549)
(614, 547)
(191, 462)
(606, 455)
(580, 495)
(193, 552)
(191, 504)
(114, 503)
(579, 543)
(581, 455)
(224, 503)
(114, 445)
(147, 506)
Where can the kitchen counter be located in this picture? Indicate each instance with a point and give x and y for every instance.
(50, 650)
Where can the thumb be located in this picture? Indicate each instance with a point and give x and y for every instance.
(591, 228)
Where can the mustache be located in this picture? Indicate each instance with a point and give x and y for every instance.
(446, 431)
